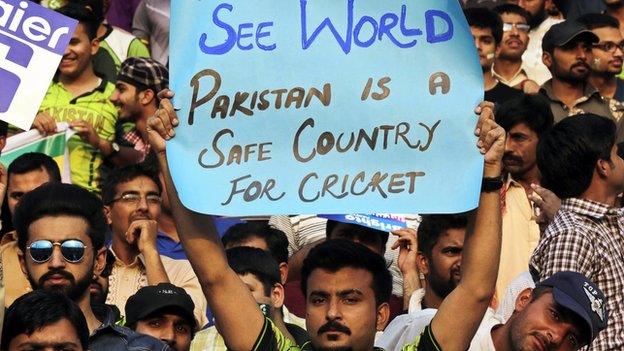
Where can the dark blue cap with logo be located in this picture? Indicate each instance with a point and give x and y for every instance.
(563, 33)
(580, 295)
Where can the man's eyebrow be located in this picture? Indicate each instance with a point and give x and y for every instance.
(319, 293)
(350, 292)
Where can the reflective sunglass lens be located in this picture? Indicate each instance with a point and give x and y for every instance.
(72, 250)
(40, 251)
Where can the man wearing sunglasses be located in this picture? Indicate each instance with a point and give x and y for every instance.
(60, 230)
(24, 174)
(608, 58)
(132, 205)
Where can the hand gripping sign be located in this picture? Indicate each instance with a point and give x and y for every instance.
(32, 42)
(324, 106)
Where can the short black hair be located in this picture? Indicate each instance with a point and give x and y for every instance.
(39, 309)
(83, 14)
(481, 17)
(275, 239)
(513, 9)
(57, 199)
(331, 225)
(333, 255)
(530, 109)
(96, 6)
(252, 260)
(434, 225)
(598, 20)
(125, 174)
(567, 154)
(32, 161)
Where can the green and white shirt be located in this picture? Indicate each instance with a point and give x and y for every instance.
(93, 107)
(272, 339)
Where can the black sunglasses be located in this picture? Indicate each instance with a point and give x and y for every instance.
(73, 250)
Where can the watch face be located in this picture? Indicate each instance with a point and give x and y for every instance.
(115, 146)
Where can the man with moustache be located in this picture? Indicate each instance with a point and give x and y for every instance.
(525, 120)
(440, 241)
(607, 64)
(507, 66)
(132, 204)
(567, 54)
(60, 230)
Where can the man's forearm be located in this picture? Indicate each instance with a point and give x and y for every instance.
(154, 268)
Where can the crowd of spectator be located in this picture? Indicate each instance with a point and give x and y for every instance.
(114, 261)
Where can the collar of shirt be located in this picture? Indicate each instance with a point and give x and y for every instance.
(588, 92)
(516, 79)
(588, 208)
(138, 260)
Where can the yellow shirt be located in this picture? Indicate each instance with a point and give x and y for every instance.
(15, 281)
(520, 234)
(126, 280)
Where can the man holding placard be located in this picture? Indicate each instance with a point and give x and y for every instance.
(346, 303)
(79, 96)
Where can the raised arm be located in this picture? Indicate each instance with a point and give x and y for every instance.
(460, 314)
(237, 315)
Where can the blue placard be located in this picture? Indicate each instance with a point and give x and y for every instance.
(325, 106)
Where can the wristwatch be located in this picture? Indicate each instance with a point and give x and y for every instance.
(489, 185)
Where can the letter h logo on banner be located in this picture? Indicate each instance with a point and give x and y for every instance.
(12, 53)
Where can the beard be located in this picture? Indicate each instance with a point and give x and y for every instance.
(538, 18)
(443, 287)
(74, 290)
(571, 77)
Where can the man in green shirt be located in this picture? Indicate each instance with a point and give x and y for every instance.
(78, 96)
(345, 284)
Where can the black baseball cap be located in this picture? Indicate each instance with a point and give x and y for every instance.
(580, 295)
(562, 33)
(151, 299)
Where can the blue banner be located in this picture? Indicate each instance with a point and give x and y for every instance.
(324, 106)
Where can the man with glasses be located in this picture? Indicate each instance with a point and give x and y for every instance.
(608, 59)
(60, 230)
(507, 66)
(568, 55)
(132, 205)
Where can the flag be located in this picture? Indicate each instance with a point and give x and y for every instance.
(54, 145)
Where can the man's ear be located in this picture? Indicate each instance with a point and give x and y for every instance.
(523, 299)
(100, 261)
(283, 269)
(547, 59)
(277, 296)
(422, 263)
(108, 215)
(95, 46)
(22, 261)
(146, 97)
(603, 168)
(383, 316)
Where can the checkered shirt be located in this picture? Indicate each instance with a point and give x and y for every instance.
(588, 237)
(133, 137)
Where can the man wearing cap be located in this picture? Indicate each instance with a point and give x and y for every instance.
(563, 312)
(165, 312)
(139, 81)
(567, 53)
(579, 162)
